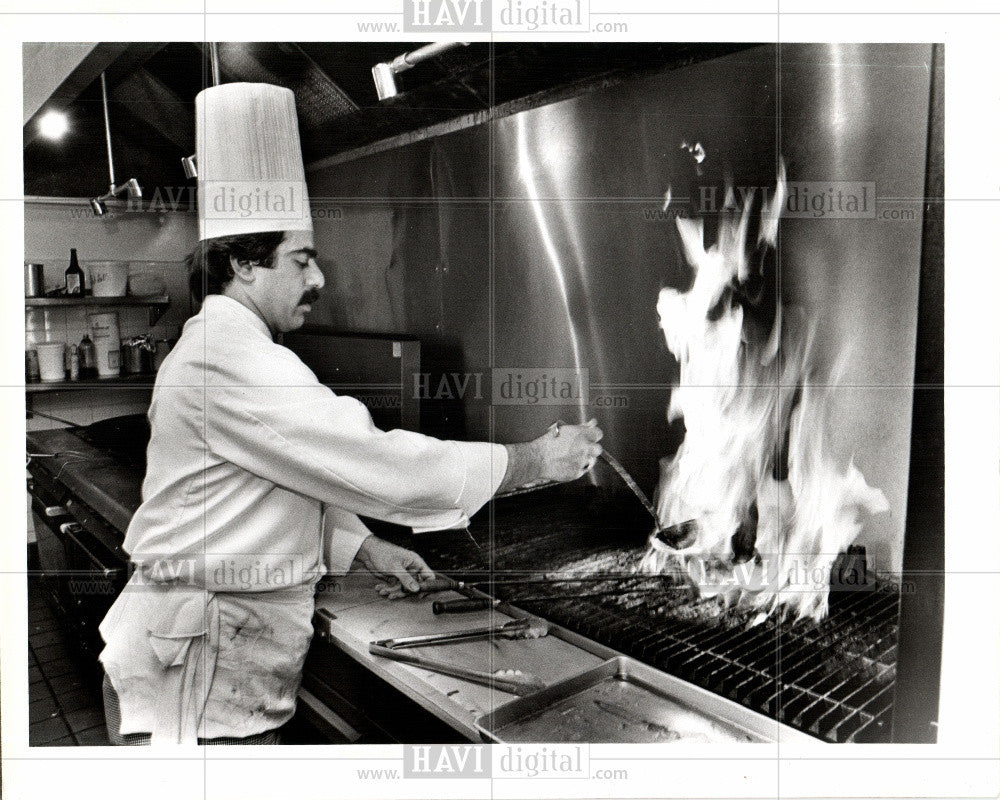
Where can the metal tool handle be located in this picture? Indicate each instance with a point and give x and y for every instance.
(438, 584)
(629, 481)
(463, 606)
(521, 685)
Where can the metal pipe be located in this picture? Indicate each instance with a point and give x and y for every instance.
(213, 55)
(521, 684)
(190, 163)
(107, 132)
(385, 73)
(409, 60)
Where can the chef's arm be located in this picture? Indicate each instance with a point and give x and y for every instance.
(564, 453)
(303, 437)
(310, 441)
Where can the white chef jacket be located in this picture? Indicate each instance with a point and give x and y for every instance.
(256, 474)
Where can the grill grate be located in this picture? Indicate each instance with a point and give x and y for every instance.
(832, 679)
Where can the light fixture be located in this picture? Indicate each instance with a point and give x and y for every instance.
(385, 73)
(53, 125)
(190, 165)
(131, 186)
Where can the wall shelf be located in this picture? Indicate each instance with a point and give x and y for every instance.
(157, 304)
(141, 381)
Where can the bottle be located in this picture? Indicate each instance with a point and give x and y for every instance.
(74, 363)
(32, 372)
(87, 354)
(74, 276)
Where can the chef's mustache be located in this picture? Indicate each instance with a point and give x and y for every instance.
(310, 297)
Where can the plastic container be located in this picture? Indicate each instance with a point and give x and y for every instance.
(108, 278)
(52, 361)
(104, 332)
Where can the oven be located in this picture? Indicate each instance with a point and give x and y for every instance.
(80, 560)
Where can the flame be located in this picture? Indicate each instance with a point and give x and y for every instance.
(742, 393)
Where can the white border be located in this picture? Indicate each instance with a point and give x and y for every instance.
(964, 764)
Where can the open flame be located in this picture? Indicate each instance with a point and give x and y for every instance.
(762, 503)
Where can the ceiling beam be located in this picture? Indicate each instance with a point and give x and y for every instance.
(56, 73)
(148, 98)
(60, 71)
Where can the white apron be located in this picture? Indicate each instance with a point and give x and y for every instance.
(188, 663)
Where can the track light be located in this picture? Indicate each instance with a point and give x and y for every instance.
(131, 187)
(190, 163)
(385, 73)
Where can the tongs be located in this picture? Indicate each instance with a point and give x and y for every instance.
(510, 681)
(509, 629)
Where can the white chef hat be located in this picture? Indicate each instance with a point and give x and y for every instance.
(250, 173)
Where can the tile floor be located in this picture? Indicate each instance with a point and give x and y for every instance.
(65, 707)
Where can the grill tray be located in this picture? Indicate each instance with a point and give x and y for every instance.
(623, 700)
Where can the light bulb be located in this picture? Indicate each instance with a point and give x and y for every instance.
(53, 125)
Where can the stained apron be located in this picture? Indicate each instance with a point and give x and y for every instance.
(188, 663)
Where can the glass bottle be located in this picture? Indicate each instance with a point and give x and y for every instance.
(74, 276)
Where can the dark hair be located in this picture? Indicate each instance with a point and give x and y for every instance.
(209, 262)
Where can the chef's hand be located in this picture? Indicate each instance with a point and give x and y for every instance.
(399, 568)
(563, 453)
(569, 451)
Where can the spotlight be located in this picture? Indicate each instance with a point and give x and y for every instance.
(98, 207)
(190, 165)
(132, 187)
(53, 125)
(385, 74)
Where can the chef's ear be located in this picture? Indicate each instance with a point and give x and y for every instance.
(243, 268)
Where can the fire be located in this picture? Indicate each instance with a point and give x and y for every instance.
(766, 504)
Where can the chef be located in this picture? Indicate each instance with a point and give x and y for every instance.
(257, 473)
